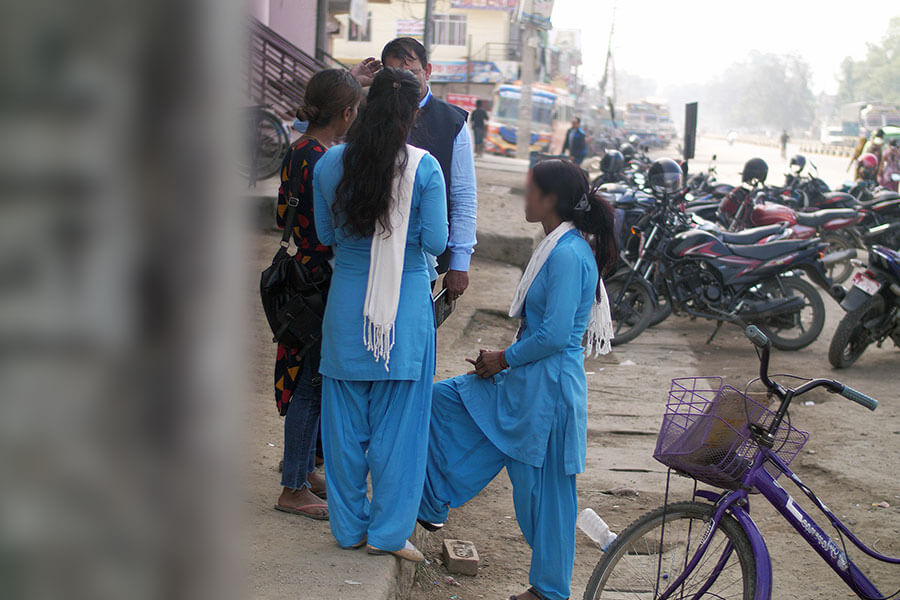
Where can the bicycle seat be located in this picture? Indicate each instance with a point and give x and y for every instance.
(752, 235)
(772, 249)
(820, 217)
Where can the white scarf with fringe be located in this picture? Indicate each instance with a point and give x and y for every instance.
(386, 264)
(600, 329)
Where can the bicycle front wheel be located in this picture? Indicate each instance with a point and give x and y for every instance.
(644, 561)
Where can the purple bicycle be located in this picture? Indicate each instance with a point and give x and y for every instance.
(711, 548)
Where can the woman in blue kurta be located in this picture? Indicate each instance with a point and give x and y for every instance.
(382, 205)
(525, 408)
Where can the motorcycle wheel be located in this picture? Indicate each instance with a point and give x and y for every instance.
(632, 313)
(809, 320)
(839, 271)
(852, 337)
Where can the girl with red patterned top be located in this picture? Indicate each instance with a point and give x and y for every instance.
(330, 106)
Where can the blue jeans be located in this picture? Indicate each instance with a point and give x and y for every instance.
(301, 424)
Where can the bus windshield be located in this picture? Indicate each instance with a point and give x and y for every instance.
(507, 109)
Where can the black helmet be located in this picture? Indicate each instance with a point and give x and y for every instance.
(627, 150)
(799, 161)
(755, 171)
(665, 176)
(612, 162)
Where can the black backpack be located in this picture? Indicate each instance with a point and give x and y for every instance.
(293, 296)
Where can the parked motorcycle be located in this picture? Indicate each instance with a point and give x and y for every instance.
(836, 227)
(873, 309)
(697, 273)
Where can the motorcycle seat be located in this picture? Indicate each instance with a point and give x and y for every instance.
(881, 197)
(838, 199)
(752, 235)
(820, 217)
(772, 249)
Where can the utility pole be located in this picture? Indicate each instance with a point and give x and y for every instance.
(428, 33)
(529, 43)
(321, 29)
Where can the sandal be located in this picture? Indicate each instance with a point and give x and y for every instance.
(302, 512)
(531, 591)
(430, 527)
(407, 552)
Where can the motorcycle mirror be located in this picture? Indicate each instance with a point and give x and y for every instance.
(714, 157)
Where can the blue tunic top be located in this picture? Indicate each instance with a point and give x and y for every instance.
(516, 410)
(344, 356)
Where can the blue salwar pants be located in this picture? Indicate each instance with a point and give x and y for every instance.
(376, 428)
(462, 461)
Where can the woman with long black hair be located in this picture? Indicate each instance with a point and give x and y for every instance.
(381, 204)
(525, 407)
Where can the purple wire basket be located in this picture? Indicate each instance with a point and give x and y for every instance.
(706, 432)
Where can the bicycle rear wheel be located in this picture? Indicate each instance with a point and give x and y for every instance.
(630, 567)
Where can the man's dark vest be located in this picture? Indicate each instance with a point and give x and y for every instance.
(435, 130)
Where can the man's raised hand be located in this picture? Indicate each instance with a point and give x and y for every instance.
(365, 71)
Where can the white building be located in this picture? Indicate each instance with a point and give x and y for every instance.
(471, 50)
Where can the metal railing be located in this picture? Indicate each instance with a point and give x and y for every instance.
(277, 71)
(494, 51)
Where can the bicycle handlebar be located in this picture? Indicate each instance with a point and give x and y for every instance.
(860, 398)
(760, 340)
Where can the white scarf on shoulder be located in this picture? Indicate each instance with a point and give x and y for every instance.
(386, 264)
(600, 330)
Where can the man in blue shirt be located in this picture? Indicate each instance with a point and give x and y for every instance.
(576, 142)
(440, 129)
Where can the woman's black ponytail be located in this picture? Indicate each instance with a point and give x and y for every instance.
(376, 151)
(584, 206)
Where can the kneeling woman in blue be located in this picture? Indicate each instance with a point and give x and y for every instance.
(382, 205)
(525, 408)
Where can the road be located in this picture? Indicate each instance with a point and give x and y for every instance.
(731, 158)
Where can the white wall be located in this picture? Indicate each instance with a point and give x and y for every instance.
(294, 20)
(483, 26)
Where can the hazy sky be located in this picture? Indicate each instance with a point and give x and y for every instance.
(694, 40)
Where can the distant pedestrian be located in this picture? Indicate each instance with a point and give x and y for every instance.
(784, 142)
(479, 120)
(876, 145)
(381, 203)
(330, 106)
(857, 152)
(890, 165)
(576, 142)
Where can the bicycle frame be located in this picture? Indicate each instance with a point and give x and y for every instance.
(736, 503)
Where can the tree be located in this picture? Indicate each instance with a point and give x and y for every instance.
(877, 76)
(765, 91)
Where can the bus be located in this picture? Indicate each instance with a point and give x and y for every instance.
(649, 119)
(503, 125)
(862, 118)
